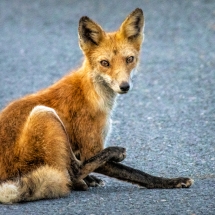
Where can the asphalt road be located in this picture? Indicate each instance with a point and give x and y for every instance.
(167, 122)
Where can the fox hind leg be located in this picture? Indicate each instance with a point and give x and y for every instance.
(47, 165)
(44, 141)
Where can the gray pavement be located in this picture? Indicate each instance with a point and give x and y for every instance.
(167, 122)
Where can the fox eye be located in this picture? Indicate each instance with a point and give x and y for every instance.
(130, 59)
(105, 63)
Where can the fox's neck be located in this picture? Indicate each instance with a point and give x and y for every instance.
(97, 90)
(106, 94)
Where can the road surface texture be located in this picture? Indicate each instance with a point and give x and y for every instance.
(167, 122)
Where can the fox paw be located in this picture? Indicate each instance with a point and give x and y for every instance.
(93, 181)
(184, 182)
(119, 153)
(79, 185)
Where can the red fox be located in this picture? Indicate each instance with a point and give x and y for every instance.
(52, 140)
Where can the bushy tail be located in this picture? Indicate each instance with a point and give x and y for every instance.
(42, 183)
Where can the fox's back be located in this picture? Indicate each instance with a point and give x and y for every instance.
(72, 100)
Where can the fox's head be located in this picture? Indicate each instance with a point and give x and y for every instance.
(112, 56)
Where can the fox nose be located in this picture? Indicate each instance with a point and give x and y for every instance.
(124, 86)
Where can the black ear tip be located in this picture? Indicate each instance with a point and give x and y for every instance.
(84, 19)
(138, 11)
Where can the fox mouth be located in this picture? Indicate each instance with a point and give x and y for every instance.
(123, 92)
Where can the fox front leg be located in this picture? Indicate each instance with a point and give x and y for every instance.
(134, 176)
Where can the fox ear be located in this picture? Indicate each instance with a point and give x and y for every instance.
(90, 33)
(132, 27)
